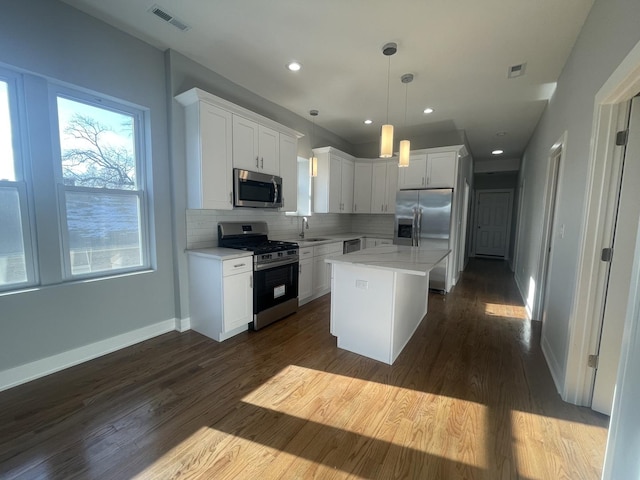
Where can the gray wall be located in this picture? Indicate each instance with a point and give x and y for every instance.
(610, 32)
(51, 39)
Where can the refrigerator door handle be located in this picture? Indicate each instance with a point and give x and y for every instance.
(419, 232)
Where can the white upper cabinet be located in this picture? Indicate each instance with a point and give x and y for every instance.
(430, 169)
(362, 187)
(441, 169)
(220, 136)
(384, 187)
(255, 147)
(208, 150)
(333, 187)
(415, 175)
(289, 172)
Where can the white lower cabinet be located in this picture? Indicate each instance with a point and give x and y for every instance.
(220, 295)
(305, 274)
(375, 242)
(315, 275)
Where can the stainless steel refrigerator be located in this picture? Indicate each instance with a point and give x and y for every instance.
(423, 219)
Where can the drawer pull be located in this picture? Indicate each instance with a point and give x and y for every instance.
(239, 265)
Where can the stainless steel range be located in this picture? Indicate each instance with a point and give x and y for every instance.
(275, 269)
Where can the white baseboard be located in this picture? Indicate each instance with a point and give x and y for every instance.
(183, 324)
(30, 371)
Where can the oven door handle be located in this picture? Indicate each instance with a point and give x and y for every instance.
(275, 192)
(280, 263)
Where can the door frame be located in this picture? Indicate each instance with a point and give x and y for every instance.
(552, 192)
(609, 105)
(509, 216)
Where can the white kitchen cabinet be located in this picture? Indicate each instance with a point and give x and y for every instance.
(414, 175)
(255, 146)
(441, 169)
(220, 135)
(362, 185)
(384, 187)
(305, 275)
(289, 172)
(333, 187)
(371, 242)
(429, 169)
(220, 295)
(208, 136)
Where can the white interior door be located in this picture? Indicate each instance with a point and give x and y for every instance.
(617, 295)
(493, 220)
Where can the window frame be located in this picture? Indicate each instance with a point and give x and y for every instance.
(140, 127)
(21, 182)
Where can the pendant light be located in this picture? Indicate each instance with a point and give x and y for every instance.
(386, 134)
(313, 160)
(405, 146)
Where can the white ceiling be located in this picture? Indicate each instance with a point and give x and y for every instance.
(458, 50)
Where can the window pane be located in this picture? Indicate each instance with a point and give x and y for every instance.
(7, 171)
(97, 146)
(12, 256)
(104, 231)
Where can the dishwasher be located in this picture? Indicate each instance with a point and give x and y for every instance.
(351, 246)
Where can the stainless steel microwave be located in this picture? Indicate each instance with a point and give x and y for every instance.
(255, 189)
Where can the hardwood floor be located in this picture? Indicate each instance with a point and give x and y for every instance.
(470, 397)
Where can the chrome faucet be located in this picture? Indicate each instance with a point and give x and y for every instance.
(305, 223)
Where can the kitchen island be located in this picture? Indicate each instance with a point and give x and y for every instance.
(379, 296)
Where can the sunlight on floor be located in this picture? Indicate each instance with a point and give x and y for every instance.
(507, 311)
(539, 439)
(422, 421)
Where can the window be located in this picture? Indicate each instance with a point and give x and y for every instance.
(16, 256)
(102, 199)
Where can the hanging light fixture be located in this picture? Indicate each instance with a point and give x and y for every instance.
(405, 146)
(313, 160)
(386, 134)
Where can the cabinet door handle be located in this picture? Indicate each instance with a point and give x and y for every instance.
(250, 281)
(299, 268)
(237, 265)
(355, 207)
(422, 180)
(257, 162)
(231, 198)
(262, 162)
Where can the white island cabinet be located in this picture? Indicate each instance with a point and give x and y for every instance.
(220, 291)
(379, 296)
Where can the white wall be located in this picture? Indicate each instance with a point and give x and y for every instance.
(51, 39)
(609, 33)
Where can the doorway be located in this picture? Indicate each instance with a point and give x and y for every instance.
(553, 174)
(493, 223)
(626, 210)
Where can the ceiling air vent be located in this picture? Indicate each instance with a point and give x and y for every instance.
(167, 17)
(517, 70)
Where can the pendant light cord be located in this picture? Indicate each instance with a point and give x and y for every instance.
(388, 86)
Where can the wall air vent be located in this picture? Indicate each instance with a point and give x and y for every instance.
(517, 70)
(167, 17)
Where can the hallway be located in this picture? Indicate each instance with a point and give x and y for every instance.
(470, 397)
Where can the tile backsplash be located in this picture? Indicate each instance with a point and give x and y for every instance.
(202, 225)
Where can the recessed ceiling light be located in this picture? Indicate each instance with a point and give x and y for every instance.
(497, 152)
(368, 121)
(501, 134)
(428, 110)
(294, 66)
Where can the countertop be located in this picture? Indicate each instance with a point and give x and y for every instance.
(411, 260)
(220, 253)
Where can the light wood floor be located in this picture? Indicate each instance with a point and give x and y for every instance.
(469, 398)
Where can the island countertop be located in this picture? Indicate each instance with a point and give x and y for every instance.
(397, 258)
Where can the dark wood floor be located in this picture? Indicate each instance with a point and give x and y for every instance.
(470, 397)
